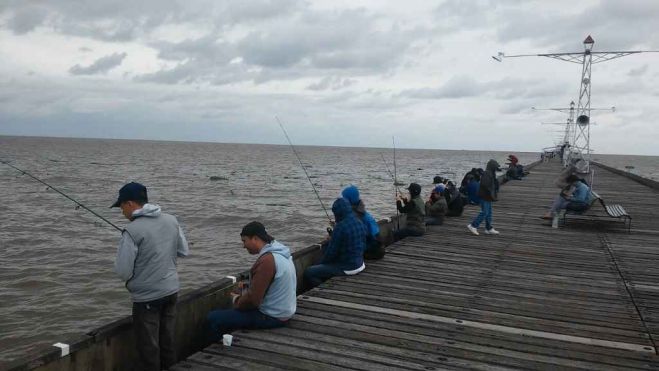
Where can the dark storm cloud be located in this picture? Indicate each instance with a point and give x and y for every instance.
(101, 65)
(118, 20)
(558, 29)
(306, 44)
(26, 19)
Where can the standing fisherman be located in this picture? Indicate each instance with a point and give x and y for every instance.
(146, 260)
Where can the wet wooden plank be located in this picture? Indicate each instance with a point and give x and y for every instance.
(583, 296)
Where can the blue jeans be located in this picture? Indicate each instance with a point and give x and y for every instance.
(224, 321)
(317, 274)
(558, 204)
(486, 213)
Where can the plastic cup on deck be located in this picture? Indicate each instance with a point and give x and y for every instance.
(227, 339)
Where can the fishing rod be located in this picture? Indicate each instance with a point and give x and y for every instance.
(393, 141)
(396, 184)
(79, 205)
(304, 169)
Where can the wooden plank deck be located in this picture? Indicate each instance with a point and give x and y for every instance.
(584, 296)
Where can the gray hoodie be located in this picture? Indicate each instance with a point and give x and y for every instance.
(146, 258)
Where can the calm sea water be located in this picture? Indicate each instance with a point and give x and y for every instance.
(56, 265)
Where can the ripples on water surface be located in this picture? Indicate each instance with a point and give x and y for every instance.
(57, 261)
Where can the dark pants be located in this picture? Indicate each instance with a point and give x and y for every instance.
(434, 220)
(374, 250)
(406, 232)
(154, 323)
(317, 274)
(224, 321)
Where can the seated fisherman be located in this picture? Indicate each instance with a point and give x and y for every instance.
(436, 206)
(373, 248)
(344, 253)
(270, 299)
(470, 175)
(454, 200)
(472, 190)
(415, 209)
(515, 170)
(575, 196)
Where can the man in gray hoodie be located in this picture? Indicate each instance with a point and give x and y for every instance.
(146, 261)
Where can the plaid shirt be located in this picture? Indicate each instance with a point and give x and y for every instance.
(346, 248)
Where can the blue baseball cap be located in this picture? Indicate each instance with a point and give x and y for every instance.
(131, 192)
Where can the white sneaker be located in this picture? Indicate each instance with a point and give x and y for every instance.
(491, 231)
(472, 229)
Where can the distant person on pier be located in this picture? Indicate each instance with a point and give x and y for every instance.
(436, 206)
(574, 196)
(146, 260)
(343, 254)
(415, 210)
(515, 169)
(373, 248)
(270, 299)
(488, 192)
(439, 180)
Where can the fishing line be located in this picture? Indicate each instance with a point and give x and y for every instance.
(60, 192)
(390, 173)
(304, 169)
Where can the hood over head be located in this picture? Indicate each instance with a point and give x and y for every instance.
(492, 166)
(149, 210)
(341, 209)
(351, 193)
(414, 189)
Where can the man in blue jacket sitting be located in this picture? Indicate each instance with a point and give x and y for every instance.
(344, 254)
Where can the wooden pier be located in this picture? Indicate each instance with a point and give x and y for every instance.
(583, 296)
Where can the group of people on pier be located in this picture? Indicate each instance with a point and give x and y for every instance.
(152, 241)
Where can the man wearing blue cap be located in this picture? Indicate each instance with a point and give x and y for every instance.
(146, 261)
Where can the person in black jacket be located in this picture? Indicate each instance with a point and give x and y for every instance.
(489, 189)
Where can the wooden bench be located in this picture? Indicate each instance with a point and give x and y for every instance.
(612, 211)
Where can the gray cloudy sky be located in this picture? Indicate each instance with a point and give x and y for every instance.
(351, 73)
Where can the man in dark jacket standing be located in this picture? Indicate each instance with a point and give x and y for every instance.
(489, 189)
(146, 260)
(344, 254)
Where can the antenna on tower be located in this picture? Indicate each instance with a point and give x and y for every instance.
(570, 129)
(580, 140)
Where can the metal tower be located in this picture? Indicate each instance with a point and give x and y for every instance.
(569, 135)
(581, 137)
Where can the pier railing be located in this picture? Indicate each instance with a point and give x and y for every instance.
(112, 346)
